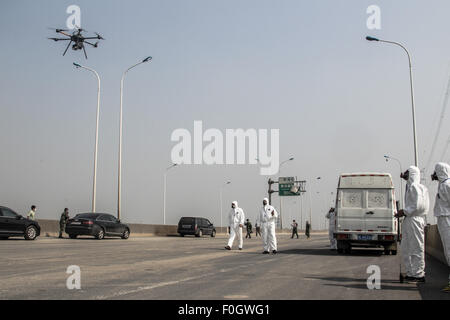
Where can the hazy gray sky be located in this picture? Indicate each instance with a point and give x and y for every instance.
(303, 67)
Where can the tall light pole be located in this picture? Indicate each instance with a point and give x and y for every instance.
(221, 205)
(401, 170)
(165, 183)
(279, 169)
(94, 183)
(310, 204)
(119, 182)
(416, 157)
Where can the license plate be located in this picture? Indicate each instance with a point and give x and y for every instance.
(186, 226)
(364, 237)
(76, 223)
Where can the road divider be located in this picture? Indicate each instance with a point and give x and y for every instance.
(51, 228)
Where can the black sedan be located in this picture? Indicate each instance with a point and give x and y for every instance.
(99, 225)
(14, 225)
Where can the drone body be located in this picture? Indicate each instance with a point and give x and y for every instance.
(77, 39)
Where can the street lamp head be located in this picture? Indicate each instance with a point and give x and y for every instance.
(77, 65)
(147, 59)
(290, 159)
(228, 182)
(368, 38)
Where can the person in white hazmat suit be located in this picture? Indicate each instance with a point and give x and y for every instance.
(237, 220)
(417, 204)
(442, 209)
(267, 218)
(331, 215)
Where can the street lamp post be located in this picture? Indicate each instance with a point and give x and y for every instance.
(165, 183)
(310, 204)
(401, 170)
(279, 169)
(94, 182)
(221, 205)
(119, 182)
(416, 157)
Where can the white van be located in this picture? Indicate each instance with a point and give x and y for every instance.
(365, 209)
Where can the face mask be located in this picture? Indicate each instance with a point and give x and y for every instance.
(405, 175)
(434, 177)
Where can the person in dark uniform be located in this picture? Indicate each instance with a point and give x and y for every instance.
(294, 226)
(248, 224)
(63, 221)
(307, 229)
(258, 230)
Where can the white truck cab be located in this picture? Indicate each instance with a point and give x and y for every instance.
(365, 209)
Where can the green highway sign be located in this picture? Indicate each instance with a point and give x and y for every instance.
(287, 186)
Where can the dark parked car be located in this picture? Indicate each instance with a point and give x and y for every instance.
(14, 225)
(196, 226)
(99, 225)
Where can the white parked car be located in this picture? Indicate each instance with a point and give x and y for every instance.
(365, 209)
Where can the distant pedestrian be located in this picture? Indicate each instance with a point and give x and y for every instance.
(31, 215)
(258, 230)
(294, 226)
(307, 229)
(63, 221)
(249, 226)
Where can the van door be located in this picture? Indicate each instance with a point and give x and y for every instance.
(380, 214)
(351, 212)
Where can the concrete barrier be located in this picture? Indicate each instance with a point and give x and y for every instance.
(51, 228)
(433, 243)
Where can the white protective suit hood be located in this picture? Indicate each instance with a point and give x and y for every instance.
(414, 175)
(442, 171)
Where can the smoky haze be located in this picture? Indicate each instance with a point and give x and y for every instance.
(304, 67)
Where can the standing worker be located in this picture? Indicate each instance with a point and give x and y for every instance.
(267, 219)
(294, 226)
(32, 214)
(237, 219)
(63, 221)
(307, 229)
(442, 209)
(417, 203)
(248, 225)
(331, 215)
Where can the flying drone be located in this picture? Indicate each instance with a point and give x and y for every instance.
(77, 38)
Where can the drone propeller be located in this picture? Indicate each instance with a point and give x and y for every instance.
(99, 36)
(58, 39)
(58, 30)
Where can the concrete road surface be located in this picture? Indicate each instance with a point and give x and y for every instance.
(194, 268)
